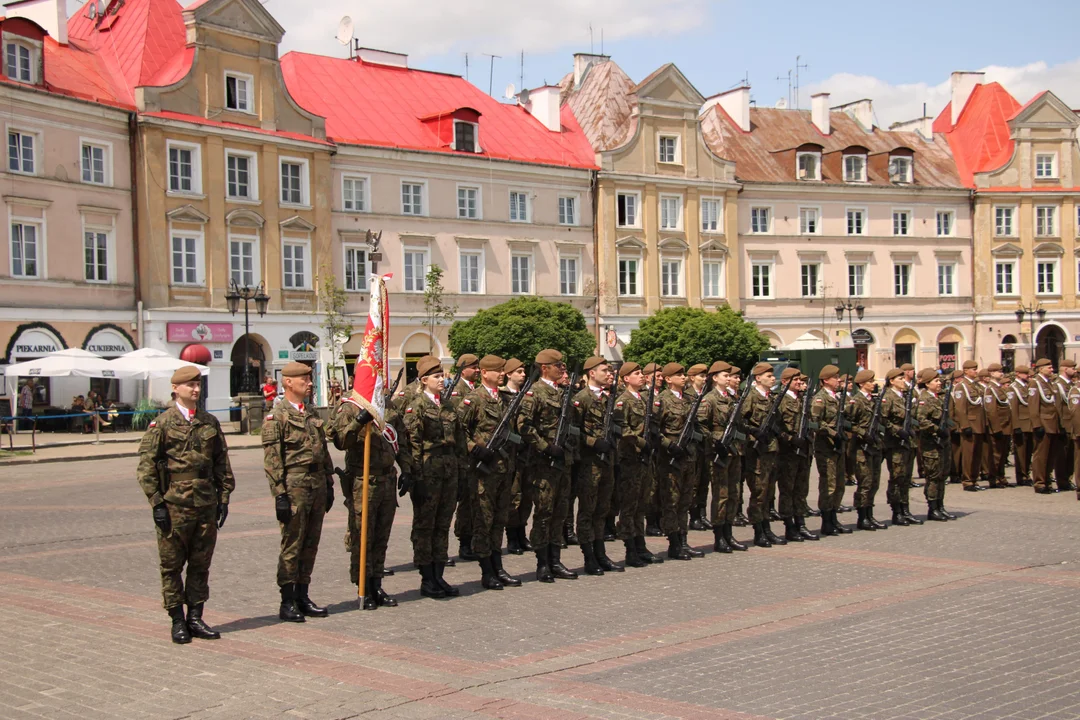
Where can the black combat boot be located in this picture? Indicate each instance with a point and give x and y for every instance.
(513, 544)
(196, 625)
(523, 538)
(704, 518)
(720, 543)
(387, 572)
(874, 521)
(692, 551)
(446, 587)
(844, 509)
(557, 568)
(827, 527)
(695, 519)
(941, 506)
(652, 526)
(838, 526)
(465, 551)
(898, 517)
(773, 515)
(308, 608)
(181, 634)
(602, 558)
(645, 554)
(791, 531)
(592, 567)
(934, 513)
(759, 536)
(381, 597)
(569, 535)
(815, 513)
(772, 537)
(488, 581)
(731, 541)
(740, 519)
(906, 508)
(864, 520)
(804, 532)
(429, 587)
(288, 611)
(543, 567)
(504, 577)
(370, 601)
(632, 558)
(675, 548)
(609, 529)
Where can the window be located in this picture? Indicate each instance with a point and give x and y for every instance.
(901, 222)
(856, 222)
(96, 256)
(1045, 217)
(628, 277)
(20, 152)
(1045, 165)
(1003, 221)
(294, 266)
(811, 279)
(241, 176)
(854, 168)
(1046, 282)
(185, 260)
(356, 269)
(712, 279)
(945, 223)
(900, 169)
(627, 210)
(670, 276)
(242, 260)
(809, 165)
(567, 210)
(710, 215)
(902, 279)
(468, 203)
(759, 220)
(1004, 278)
(946, 279)
(808, 221)
(354, 194)
(415, 266)
(24, 249)
(521, 274)
(185, 175)
(471, 273)
(465, 136)
(93, 163)
(856, 273)
(669, 149)
(412, 198)
(670, 212)
(19, 65)
(761, 280)
(519, 206)
(238, 92)
(568, 275)
(294, 182)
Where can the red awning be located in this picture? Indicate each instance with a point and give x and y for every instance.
(196, 353)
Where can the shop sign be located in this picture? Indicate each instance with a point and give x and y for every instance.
(862, 337)
(108, 343)
(303, 356)
(199, 332)
(32, 344)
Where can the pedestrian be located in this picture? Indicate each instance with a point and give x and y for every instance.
(898, 446)
(725, 474)
(26, 403)
(998, 402)
(866, 451)
(699, 379)
(971, 416)
(634, 455)
(270, 391)
(468, 366)
(792, 458)
(1023, 440)
(676, 482)
(1063, 458)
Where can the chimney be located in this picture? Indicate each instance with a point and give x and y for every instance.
(736, 103)
(582, 63)
(861, 111)
(923, 126)
(819, 112)
(51, 15)
(963, 84)
(543, 104)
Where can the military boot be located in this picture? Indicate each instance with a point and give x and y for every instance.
(652, 526)
(196, 625)
(504, 577)
(773, 515)
(381, 597)
(906, 508)
(523, 539)
(370, 601)
(898, 515)
(773, 537)
(288, 611)
(934, 513)
(704, 519)
(804, 532)
(465, 551)
(838, 526)
(692, 551)
(488, 581)
(864, 520)
(181, 634)
(874, 521)
(513, 544)
(760, 540)
(731, 541)
(791, 531)
(675, 548)
(948, 515)
(592, 567)
(557, 568)
(308, 608)
(543, 568)
(569, 535)
(632, 558)
(740, 519)
(602, 558)
(720, 544)
(429, 587)
(446, 587)
(827, 527)
(645, 554)
(695, 519)
(609, 529)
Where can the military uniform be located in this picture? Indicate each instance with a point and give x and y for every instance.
(463, 518)
(634, 459)
(760, 459)
(1045, 423)
(897, 448)
(971, 417)
(597, 477)
(1063, 458)
(1023, 441)
(1072, 407)
(714, 416)
(866, 454)
(936, 451)
(675, 479)
(828, 441)
(998, 404)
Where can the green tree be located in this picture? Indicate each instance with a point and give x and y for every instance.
(690, 335)
(437, 310)
(335, 322)
(521, 328)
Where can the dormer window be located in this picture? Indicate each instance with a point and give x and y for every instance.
(900, 169)
(854, 168)
(18, 62)
(1045, 166)
(809, 165)
(238, 92)
(465, 136)
(669, 149)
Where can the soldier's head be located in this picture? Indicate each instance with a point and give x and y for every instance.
(829, 377)
(1022, 373)
(719, 373)
(514, 370)
(1068, 369)
(909, 371)
(995, 371)
(430, 372)
(631, 374)
(734, 377)
(491, 370)
(930, 379)
(296, 378)
(1044, 367)
(187, 385)
(971, 369)
(897, 379)
(469, 365)
(697, 374)
(552, 367)
(764, 375)
(864, 380)
(597, 371)
(790, 378)
(675, 376)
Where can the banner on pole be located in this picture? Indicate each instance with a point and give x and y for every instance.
(372, 364)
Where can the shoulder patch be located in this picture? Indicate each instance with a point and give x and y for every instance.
(401, 393)
(577, 404)
(467, 401)
(529, 393)
(656, 403)
(818, 400)
(958, 394)
(1031, 392)
(454, 394)
(269, 417)
(922, 402)
(408, 409)
(153, 423)
(618, 403)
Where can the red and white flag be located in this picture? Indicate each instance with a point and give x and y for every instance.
(372, 365)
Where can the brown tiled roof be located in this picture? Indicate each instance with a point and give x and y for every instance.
(766, 153)
(603, 105)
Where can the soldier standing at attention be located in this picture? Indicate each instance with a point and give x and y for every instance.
(673, 464)
(956, 467)
(828, 446)
(184, 471)
(1063, 465)
(792, 482)
(1045, 425)
(520, 489)
(435, 437)
(300, 473)
(469, 365)
(998, 404)
(912, 454)
(699, 383)
(936, 445)
(1073, 408)
(761, 457)
(971, 417)
(654, 377)
(866, 451)
(713, 418)
(633, 454)
(898, 447)
(1024, 444)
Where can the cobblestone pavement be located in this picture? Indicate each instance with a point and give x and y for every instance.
(975, 618)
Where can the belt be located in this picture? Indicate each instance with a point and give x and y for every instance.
(310, 468)
(180, 477)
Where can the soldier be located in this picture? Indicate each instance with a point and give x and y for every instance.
(539, 420)
(734, 381)
(866, 452)
(935, 445)
(184, 471)
(1074, 412)
(698, 519)
(654, 377)
(898, 444)
(469, 366)
(675, 480)
(998, 403)
(300, 473)
(761, 454)
(435, 436)
(346, 428)
(828, 449)
(792, 459)
(908, 371)
(971, 418)
(1023, 440)
(634, 453)
(724, 464)
(521, 489)
(1045, 424)
(956, 467)
(1063, 458)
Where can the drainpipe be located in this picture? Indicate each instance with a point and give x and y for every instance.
(594, 187)
(133, 149)
(974, 312)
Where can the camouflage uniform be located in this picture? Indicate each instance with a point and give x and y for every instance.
(761, 460)
(298, 463)
(897, 449)
(830, 462)
(405, 395)
(435, 436)
(676, 482)
(633, 465)
(489, 492)
(713, 418)
(866, 452)
(463, 521)
(199, 477)
(550, 480)
(792, 469)
(936, 452)
(736, 461)
(597, 477)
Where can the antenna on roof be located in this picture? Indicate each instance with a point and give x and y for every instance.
(592, 49)
(781, 77)
(521, 71)
(797, 66)
(345, 31)
(466, 66)
(491, 72)
(511, 91)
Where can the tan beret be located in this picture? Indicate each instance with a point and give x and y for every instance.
(1022, 369)
(651, 368)
(548, 357)
(466, 360)
(761, 367)
(957, 374)
(1068, 362)
(427, 365)
(719, 366)
(970, 364)
(828, 372)
(864, 376)
(789, 373)
(594, 362)
(994, 367)
(926, 375)
(511, 365)
(735, 370)
(983, 373)
(673, 368)
(907, 367)
(627, 368)
(697, 369)
(492, 362)
(894, 373)
(1042, 362)
(185, 374)
(296, 369)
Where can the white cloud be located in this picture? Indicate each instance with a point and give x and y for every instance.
(434, 27)
(894, 103)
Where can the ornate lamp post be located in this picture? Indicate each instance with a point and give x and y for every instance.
(847, 307)
(233, 297)
(1030, 311)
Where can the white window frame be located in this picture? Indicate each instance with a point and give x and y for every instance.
(110, 252)
(680, 285)
(560, 207)
(862, 175)
(305, 182)
(818, 284)
(477, 253)
(817, 220)
(39, 247)
(721, 277)
(638, 290)
(511, 205)
(250, 92)
(196, 168)
(529, 257)
(909, 280)
(637, 208)
(361, 284)
(907, 215)
(576, 259)
(952, 266)
(476, 135)
(676, 153)
(253, 176)
(37, 137)
(1052, 230)
(951, 214)
(863, 216)
(1053, 166)
(1014, 277)
(365, 199)
(909, 171)
(817, 165)
(1055, 277)
(200, 257)
(769, 266)
(479, 201)
(106, 161)
(678, 199)
(865, 279)
(769, 220)
(307, 260)
(423, 197)
(1077, 223)
(1012, 220)
(719, 230)
(248, 235)
(33, 48)
(419, 282)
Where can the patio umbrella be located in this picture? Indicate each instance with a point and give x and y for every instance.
(65, 363)
(147, 363)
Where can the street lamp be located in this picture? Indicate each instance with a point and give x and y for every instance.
(233, 297)
(842, 307)
(1030, 311)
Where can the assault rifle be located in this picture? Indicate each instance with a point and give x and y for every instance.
(647, 429)
(909, 416)
(504, 432)
(611, 431)
(805, 423)
(688, 431)
(732, 432)
(397, 381)
(946, 422)
(448, 391)
(842, 424)
(770, 417)
(562, 429)
(873, 430)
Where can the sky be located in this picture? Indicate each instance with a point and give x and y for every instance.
(899, 56)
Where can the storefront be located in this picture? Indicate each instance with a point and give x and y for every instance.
(110, 342)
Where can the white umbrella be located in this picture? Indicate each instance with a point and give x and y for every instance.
(146, 363)
(64, 363)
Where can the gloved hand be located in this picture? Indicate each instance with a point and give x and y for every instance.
(721, 451)
(653, 442)
(282, 508)
(904, 434)
(554, 451)
(363, 417)
(1040, 432)
(481, 453)
(601, 446)
(763, 435)
(999, 434)
(404, 484)
(1018, 432)
(675, 451)
(944, 434)
(329, 495)
(161, 518)
(967, 432)
(799, 442)
(419, 491)
(222, 513)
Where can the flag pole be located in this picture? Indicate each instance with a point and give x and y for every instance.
(362, 570)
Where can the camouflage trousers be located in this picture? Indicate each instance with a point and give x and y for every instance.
(300, 536)
(934, 488)
(550, 493)
(382, 506)
(633, 495)
(520, 499)
(677, 485)
(190, 542)
(431, 520)
(867, 476)
(463, 499)
(899, 461)
(725, 481)
(656, 474)
(831, 476)
(704, 479)
(793, 481)
(490, 501)
(595, 485)
(762, 476)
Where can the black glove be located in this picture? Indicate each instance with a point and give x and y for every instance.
(999, 434)
(653, 442)
(480, 453)
(1040, 432)
(763, 435)
(222, 513)
(554, 451)
(282, 508)
(675, 451)
(944, 434)
(720, 450)
(161, 518)
(799, 442)
(404, 484)
(967, 432)
(419, 491)
(904, 434)
(329, 495)
(364, 417)
(601, 446)
(1018, 432)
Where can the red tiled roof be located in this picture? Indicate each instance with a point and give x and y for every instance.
(370, 104)
(74, 72)
(199, 120)
(604, 104)
(980, 140)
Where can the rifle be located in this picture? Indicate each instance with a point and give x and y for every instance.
(805, 423)
(732, 431)
(448, 391)
(946, 422)
(647, 429)
(503, 432)
(688, 432)
(842, 424)
(770, 416)
(609, 433)
(909, 402)
(397, 381)
(562, 429)
(873, 430)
